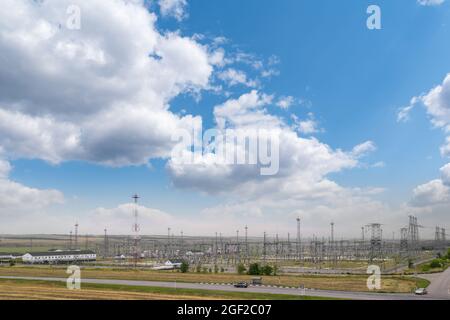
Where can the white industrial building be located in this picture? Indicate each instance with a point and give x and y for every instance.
(169, 265)
(173, 263)
(10, 256)
(52, 257)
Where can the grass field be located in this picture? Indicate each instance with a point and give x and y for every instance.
(396, 284)
(426, 268)
(43, 290)
(24, 249)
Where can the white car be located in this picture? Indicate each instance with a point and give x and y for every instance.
(421, 292)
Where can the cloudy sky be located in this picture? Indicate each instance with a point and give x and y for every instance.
(89, 104)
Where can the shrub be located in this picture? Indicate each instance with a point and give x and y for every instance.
(241, 268)
(426, 268)
(267, 270)
(254, 269)
(216, 269)
(275, 270)
(436, 263)
(184, 267)
(198, 268)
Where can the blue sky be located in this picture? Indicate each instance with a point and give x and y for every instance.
(350, 80)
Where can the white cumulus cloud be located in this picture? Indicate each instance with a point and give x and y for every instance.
(430, 2)
(174, 8)
(82, 94)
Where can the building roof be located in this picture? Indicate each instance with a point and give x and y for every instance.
(173, 261)
(13, 254)
(60, 253)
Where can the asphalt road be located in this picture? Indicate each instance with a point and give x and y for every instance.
(440, 284)
(272, 290)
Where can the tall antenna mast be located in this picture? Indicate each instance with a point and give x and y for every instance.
(136, 229)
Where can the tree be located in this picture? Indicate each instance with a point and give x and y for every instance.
(267, 270)
(275, 270)
(254, 269)
(184, 267)
(216, 269)
(410, 263)
(241, 268)
(436, 263)
(198, 268)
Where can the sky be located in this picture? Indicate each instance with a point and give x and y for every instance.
(91, 94)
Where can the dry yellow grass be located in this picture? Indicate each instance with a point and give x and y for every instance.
(12, 290)
(335, 282)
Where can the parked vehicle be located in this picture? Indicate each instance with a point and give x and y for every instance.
(421, 292)
(241, 285)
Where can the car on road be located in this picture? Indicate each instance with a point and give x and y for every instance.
(421, 292)
(241, 285)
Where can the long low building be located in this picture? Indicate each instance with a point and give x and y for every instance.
(10, 256)
(59, 257)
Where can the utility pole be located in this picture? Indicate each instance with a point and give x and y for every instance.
(404, 240)
(222, 251)
(169, 247)
(238, 248)
(182, 242)
(215, 249)
(332, 232)
(375, 241)
(299, 244)
(264, 248)
(289, 245)
(332, 251)
(246, 243)
(105, 249)
(76, 236)
(437, 234)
